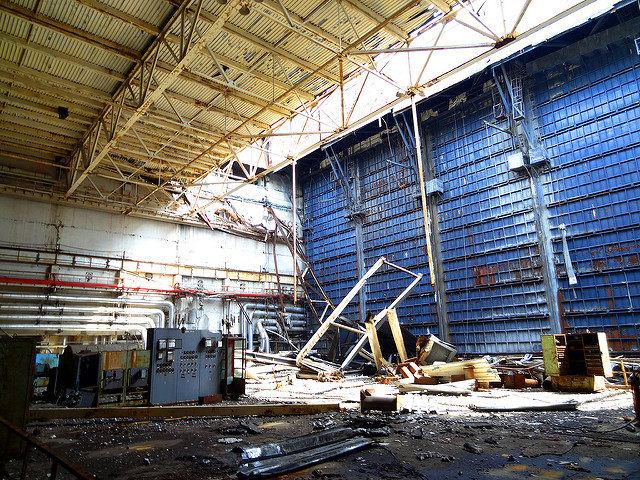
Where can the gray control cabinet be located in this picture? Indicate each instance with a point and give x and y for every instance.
(184, 365)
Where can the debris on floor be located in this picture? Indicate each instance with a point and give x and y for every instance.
(295, 454)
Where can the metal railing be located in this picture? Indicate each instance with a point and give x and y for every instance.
(31, 444)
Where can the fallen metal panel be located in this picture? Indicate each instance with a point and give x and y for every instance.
(289, 463)
(550, 407)
(294, 445)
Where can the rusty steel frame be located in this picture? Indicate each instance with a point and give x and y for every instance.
(377, 320)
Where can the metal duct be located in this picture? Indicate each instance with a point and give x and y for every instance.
(264, 338)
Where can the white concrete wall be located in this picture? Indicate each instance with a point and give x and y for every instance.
(31, 224)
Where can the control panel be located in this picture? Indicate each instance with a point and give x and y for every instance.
(185, 365)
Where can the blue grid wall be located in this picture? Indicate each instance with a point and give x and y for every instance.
(496, 298)
(589, 119)
(586, 112)
(329, 237)
(393, 229)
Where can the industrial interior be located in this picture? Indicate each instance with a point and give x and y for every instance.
(336, 239)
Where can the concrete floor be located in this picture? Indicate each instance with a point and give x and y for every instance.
(428, 442)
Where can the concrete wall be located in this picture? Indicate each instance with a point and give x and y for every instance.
(91, 246)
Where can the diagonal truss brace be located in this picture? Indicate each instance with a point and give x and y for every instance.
(338, 171)
(137, 90)
(378, 319)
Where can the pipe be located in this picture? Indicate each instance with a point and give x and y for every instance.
(128, 312)
(249, 336)
(164, 291)
(147, 322)
(82, 327)
(264, 338)
(127, 301)
(274, 316)
(258, 306)
(294, 324)
(273, 328)
(247, 328)
(268, 313)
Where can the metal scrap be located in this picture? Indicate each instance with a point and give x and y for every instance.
(273, 459)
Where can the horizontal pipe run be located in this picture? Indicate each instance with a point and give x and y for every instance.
(77, 299)
(32, 319)
(116, 311)
(122, 288)
(258, 306)
(88, 328)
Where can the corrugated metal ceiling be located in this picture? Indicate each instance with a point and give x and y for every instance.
(75, 54)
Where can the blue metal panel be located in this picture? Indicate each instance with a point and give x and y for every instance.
(392, 229)
(589, 118)
(587, 115)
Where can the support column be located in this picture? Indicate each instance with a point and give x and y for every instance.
(531, 146)
(439, 287)
(543, 231)
(358, 220)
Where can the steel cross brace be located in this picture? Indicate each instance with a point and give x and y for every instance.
(137, 93)
(378, 319)
(342, 179)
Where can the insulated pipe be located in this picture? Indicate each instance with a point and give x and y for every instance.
(273, 328)
(127, 312)
(264, 338)
(274, 316)
(249, 337)
(293, 323)
(258, 306)
(89, 328)
(127, 301)
(271, 320)
(142, 321)
(259, 311)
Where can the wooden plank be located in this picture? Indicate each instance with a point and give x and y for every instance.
(392, 316)
(482, 371)
(456, 388)
(372, 334)
(44, 414)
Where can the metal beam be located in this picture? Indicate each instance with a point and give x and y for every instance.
(37, 18)
(406, 6)
(421, 49)
(175, 40)
(58, 55)
(147, 98)
(520, 16)
(374, 16)
(112, 47)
